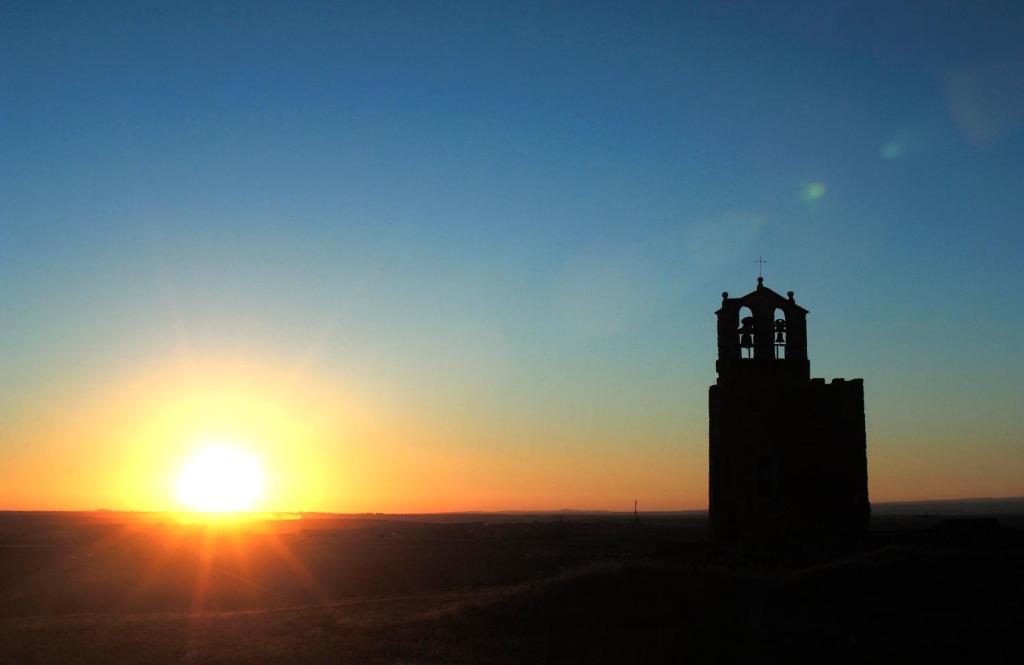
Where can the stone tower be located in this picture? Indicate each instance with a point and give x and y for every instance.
(788, 456)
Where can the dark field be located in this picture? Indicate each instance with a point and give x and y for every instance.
(116, 588)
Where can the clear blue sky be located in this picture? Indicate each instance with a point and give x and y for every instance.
(525, 212)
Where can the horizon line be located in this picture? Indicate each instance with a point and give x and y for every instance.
(554, 511)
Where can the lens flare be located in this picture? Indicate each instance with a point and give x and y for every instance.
(813, 191)
(892, 150)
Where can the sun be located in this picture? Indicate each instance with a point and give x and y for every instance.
(220, 479)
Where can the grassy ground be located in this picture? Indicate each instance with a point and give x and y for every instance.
(893, 605)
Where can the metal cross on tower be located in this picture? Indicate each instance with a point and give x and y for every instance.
(760, 265)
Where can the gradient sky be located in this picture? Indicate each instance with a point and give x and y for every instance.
(429, 256)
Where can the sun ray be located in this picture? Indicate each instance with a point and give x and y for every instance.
(171, 536)
(203, 568)
(298, 569)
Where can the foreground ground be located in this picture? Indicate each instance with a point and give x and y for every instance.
(109, 589)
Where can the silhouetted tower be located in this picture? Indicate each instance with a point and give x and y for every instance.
(788, 460)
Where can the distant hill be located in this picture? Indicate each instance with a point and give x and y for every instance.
(1013, 505)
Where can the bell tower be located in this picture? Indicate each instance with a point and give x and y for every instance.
(769, 342)
(787, 453)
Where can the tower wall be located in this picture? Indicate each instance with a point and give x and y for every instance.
(787, 454)
(789, 464)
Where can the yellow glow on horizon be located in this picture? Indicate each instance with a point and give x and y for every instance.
(328, 444)
(128, 445)
(221, 479)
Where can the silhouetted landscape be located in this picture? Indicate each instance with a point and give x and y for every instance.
(504, 588)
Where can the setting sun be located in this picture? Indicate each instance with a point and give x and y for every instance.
(220, 478)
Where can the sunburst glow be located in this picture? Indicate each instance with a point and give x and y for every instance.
(221, 478)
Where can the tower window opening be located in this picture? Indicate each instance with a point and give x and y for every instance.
(746, 333)
(780, 333)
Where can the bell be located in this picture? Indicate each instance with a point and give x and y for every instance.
(747, 340)
(780, 337)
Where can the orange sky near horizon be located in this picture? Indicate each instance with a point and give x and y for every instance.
(336, 447)
(323, 447)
